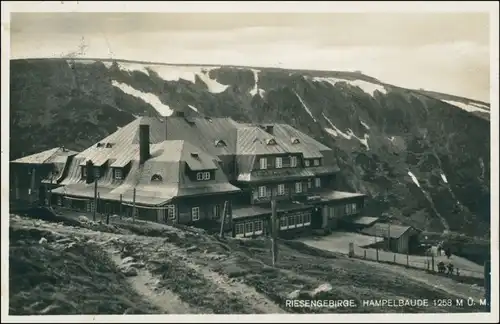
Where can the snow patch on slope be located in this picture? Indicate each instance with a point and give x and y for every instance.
(470, 108)
(365, 125)
(107, 64)
(132, 67)
(331, 131)
(189, 73)
(334, 131)
(304, 105)
(444, 178)
(194, 108)
(367, 87)
(331, 81)
(212, 84)
(415, 180)
(256, 88)
(149, 98)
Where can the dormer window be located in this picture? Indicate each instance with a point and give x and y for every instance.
(84, 172)
(118, 173)
(156, 177)
(271, 141)
(194, 154)
(109, 145)
(200, 176)
(307, 163)
(100, 144)
(316, 162)
(293, 161)
(295, 140)
(220, 143)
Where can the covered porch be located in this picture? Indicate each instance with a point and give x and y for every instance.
(331, 208)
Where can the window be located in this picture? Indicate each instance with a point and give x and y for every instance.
(293, 161)
(350, 209)
(217, 213)
(249, 227)
(298, 187)
(283, 222)
(307, 219)
(195, 213)
(316, 162)
(279, 162)
(156, 177)
(307, 163)
(317, 182)
(291, 221)
(203, 176)
(84, 172)
(281, 189)
(220, 143)
(271, 141)
(171, 211)
(262, 191)
(239, 229)
(354, 208)
(263, 163)
(118, 174)
(258, 226)
(332, 212)
(309, 183)
(59, 201)
(97, 172)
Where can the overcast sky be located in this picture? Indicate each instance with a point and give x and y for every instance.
(446, 52)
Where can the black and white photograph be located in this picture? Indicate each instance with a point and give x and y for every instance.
(252, 162)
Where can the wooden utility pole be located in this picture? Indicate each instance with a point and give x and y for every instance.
(274, 231)
(32, 185)
(121, 204)
(223, 219)
(50, 190)
(389, 236)
(133, 206)
(95, 198)
(16, 184)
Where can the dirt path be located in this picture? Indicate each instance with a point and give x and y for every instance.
(256, 300)
(164, 299)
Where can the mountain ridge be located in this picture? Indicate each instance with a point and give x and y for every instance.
(421, 160)
(347, 73)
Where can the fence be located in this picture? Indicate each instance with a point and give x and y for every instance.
(429, 263)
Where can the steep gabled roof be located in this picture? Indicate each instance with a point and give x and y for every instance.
(46, 157)
(158, 180)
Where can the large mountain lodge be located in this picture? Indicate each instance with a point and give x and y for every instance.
(187, 170)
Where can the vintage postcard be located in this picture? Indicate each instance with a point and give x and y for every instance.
(249, 162)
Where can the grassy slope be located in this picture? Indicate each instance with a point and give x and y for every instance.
(189, 271)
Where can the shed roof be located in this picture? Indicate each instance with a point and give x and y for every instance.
(364, 220)
(386, 230)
